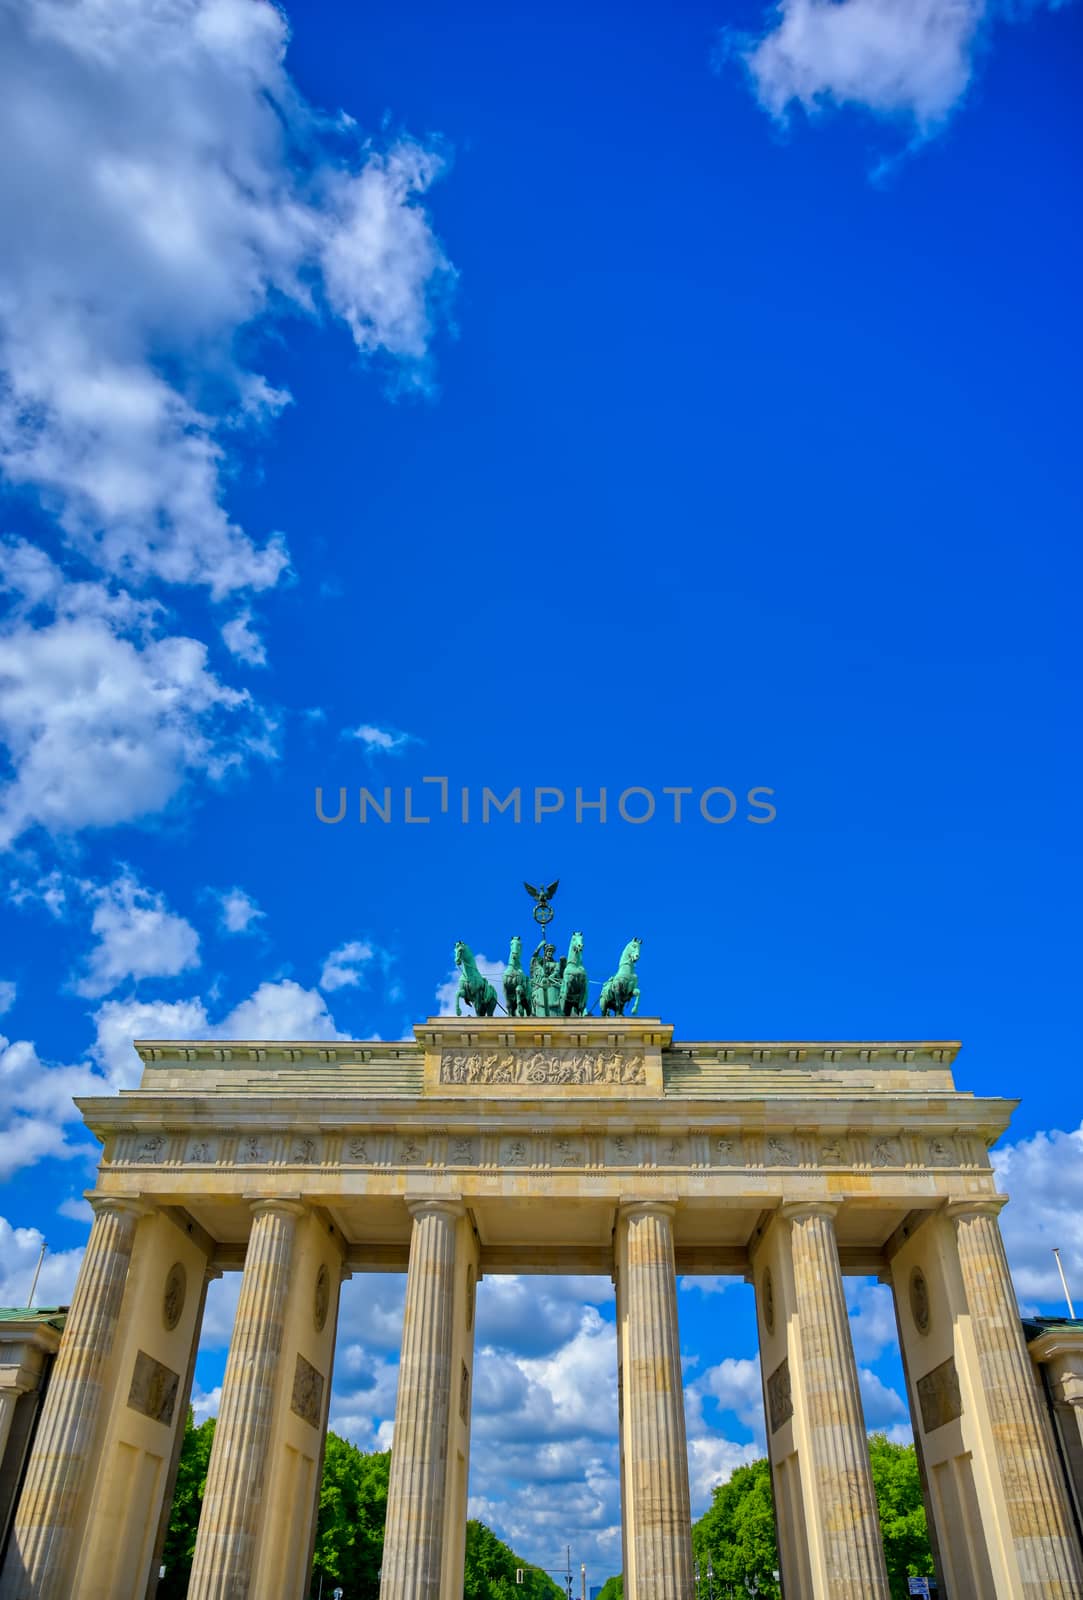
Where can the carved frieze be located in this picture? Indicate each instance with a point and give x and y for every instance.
(492, 1068)
(939, 1396)
(779, 1396)
(307, 1397)
(153, 1391)
(780, 1152)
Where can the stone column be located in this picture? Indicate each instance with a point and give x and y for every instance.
(1038, 1522)
(843, 1496)
(43, 1537)
(184, 1400)
(9, 1399)
(229, 1522)
(413, 1537)
(658, 1511)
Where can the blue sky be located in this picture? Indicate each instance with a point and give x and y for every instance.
(587, 398)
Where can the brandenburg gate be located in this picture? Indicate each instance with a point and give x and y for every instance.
(538, 1144)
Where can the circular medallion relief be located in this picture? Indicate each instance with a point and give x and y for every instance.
(321, 1298)
(176, 1286)
(469, 1298)
(768, 1301)
(919, 1300)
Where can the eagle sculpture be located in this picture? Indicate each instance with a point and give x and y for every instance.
(542, 896)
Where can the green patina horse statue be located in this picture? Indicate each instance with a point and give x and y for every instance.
(573, 983)
(473, 988)
(624, 985)
(516, 982)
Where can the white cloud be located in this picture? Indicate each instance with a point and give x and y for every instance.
(19, 1251)
(280, 1010)
(896, 58)
(343, 968)
(734, 1384)
(104, 719)
(239, 911)
(445, 994)
(385, 741)
(76, 1209)
(535, 1315)
(872, 1317)
(118, 1022)
(220, 1312)
(205, 1402)
(713, 1460)
(1044, 1176)
(882, 1405)
(243, 641)
(137, 938)
(35, 1103)
(707, 1285)
(50, 891)
(7, 995)
(192, 191)
(371, 1310)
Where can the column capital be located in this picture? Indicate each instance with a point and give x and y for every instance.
(118, 1204)
(286, 1206)
(978, 1205)
(646, 1208)
(435, 1205)
(798, 1210)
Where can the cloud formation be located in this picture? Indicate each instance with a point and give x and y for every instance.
(1044, 1176)
(192, 192)
(137, 937)
(105, 716)
(239, 911)
(896, 58)
(904, 61)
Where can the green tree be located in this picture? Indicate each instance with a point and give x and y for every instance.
(613, 1589)
(180, 1542)
(349, 1529)
(350, 1521)
(737, 1532)
(491, 1566)
(897, 1482)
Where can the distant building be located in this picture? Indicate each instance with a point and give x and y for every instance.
(28, 1343)
(1056, 1348)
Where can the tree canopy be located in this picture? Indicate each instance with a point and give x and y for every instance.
(737, 1531)
(349, 1529)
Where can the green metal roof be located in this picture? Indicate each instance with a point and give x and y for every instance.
(55, 1316)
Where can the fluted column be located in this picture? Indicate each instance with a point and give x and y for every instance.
(185, 1400)
(9, 1399)
(413, 1536)
(845, 1502)
(656, 1464)
(229, 1523)
(1037, 1515)
(41, 1550)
